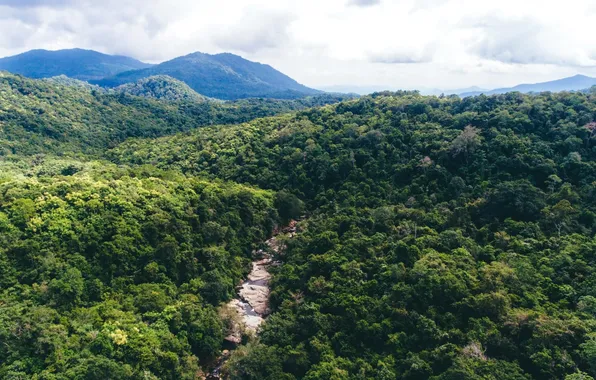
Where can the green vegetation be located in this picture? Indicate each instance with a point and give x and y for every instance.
(445, 238)
(62, 116)
(115, 273)
(162, 87)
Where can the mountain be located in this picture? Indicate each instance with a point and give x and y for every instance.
(574, 83)
(74, 63)
(162, 87)
(223, 76)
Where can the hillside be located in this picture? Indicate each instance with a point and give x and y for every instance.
(75, 63)
(574, 83)
(446, 238)
(63, 80)
(61, 115)
(112, 273)
(222, 76)
(161, 87)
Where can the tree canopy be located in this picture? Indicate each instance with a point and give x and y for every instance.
(444, 238)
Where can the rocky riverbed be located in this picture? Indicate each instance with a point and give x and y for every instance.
(252, 303)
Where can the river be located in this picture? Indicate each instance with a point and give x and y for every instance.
(251, 304)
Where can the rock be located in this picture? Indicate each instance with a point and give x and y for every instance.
(257, 296)
(233, 338)
(249, 317)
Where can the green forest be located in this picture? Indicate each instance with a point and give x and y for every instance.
(443, 238)
(61, 116)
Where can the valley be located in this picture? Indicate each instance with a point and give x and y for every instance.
(440, 237)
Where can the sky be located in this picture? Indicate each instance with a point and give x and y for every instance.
(384, 44)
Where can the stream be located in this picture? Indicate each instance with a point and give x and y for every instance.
(251, 304)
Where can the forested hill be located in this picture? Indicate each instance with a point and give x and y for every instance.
(451, 238)
(162, 87)
(61, 115)
(222, 76)
(75, 63)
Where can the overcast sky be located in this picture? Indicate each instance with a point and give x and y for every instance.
(387, 43)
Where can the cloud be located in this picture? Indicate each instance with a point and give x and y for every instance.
(528, 41)
(254, 31)
(399, 57)
(428, 4)
(35, 3)
(404, 54)
(364, 3)
(391, 43)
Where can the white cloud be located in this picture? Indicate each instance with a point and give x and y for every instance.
(255, 30)
(364, 3)
(392, 43)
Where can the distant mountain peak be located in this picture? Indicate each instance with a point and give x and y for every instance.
(224, 76)
(75, 63)
(574, 83)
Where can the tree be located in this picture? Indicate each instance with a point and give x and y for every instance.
(288, 206)
(560, 214)
(466, 143)
(67, 289)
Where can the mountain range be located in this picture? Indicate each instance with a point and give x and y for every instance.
(223, 76)
(74, 63)
(574, 83)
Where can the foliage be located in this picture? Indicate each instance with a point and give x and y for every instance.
(161, 87)
(62, 116)
(446, 238)
(116, 273)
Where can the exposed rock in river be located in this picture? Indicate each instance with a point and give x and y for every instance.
(252, 304)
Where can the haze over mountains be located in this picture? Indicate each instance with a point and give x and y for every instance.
(365, 90)
(574, 83)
